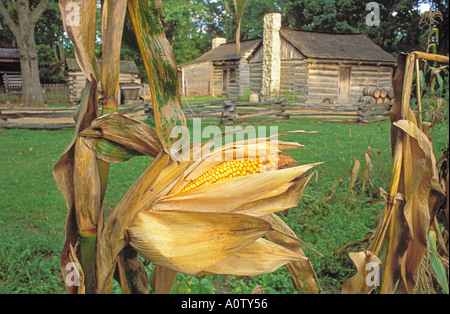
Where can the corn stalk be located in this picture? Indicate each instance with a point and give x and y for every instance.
(215, 227)
(400, 241)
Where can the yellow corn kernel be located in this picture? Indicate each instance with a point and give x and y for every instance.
(233, 169)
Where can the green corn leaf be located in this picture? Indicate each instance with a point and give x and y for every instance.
(157, 54)
(436, 263)
(109, 151)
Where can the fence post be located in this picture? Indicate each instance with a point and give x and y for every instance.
(282, 110)
(228, 113)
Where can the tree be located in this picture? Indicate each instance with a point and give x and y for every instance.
(21, 19)
(399, 20)
(184, 22)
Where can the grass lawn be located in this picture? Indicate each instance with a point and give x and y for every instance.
(32, 209)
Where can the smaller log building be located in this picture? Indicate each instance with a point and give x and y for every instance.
(10, 73)
(76, 80)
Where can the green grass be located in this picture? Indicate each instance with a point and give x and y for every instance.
(33, 211)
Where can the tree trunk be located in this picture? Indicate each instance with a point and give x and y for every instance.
(31, 84)
(23, 31)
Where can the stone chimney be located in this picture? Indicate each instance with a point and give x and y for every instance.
(216, 42)
(272, 56)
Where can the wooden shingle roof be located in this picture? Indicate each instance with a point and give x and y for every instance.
(228, 51)
(125, 66)
(317, 45)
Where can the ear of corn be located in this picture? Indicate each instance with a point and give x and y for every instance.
(229, 194)
(233, 169)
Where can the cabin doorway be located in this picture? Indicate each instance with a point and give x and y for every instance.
(225, 81)
(344, 85)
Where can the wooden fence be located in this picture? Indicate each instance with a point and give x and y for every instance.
(230, 112)
(12, 94)
(51, 118)
(227, 111)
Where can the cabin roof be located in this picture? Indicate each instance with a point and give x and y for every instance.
(126, 66)
(319, 45)
(228, 51)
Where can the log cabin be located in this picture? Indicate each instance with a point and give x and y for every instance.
(220, 71)
(10, 72)
(76, 80)
(313, 67)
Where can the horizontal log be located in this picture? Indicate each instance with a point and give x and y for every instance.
(203, 111)
(299, 113)
(373, 113)
(205, 116)
(262, 103)
(322, 108)
(293, 104)
(37, 126)
(21, 115)
(20, 108)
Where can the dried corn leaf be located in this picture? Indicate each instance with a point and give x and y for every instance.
(189, 242)
(63, 173)
(162, 280)
(113, 16)
(133, 277)
(86, 188)
(156, 181)
(259, 257)
(366, 262)
(366, 172)
(420, 178)
(127, 132)
(354, 176)
(301, 271)
(82, 34)
(268, 205)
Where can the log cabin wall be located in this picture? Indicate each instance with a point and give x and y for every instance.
(322, 82)
(255, 77)
(363, 76)
(76, 81)
(325, 80)
(294, 79)
(191, 85)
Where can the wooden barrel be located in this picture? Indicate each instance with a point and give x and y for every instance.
(254, 97)
(383, 93)
(372, 91)
(368, 100)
